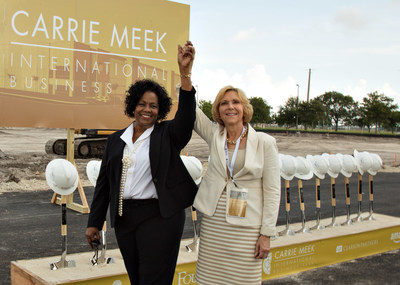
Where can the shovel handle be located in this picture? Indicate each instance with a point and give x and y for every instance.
(371, 188)
(63, 215)
(287, 195)
(194, 214)
(318, 192)
(359, 187)
(333, 192)
(347, 189)
(301, 197)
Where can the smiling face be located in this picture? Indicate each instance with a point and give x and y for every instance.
(231, 109)
(146, 111)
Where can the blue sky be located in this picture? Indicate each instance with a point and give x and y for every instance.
(267, 47)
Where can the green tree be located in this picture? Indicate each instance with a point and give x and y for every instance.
(261, 110)
(377, 109)
(360, 118)
(311, 113)
(393, 121)
(206, 107)
(340, 108)
(287, 114)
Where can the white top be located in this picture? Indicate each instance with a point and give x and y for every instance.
(139, 183)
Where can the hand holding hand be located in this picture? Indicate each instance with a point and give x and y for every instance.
(186, 58)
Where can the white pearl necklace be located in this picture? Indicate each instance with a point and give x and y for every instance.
(126, 163)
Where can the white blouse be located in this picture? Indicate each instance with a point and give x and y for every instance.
(139, 182)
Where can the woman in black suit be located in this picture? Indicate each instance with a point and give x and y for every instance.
(144, 181)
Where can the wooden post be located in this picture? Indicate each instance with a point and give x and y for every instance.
(84, 208)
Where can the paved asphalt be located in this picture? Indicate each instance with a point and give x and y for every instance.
(30, 228)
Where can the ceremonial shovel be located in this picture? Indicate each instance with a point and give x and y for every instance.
(92, 171)
(318, 205)
(303, 171)
(195, 169)
(320, 166)
(62, 177)
(360, 193)
(364, 162)
(335, 165)
(371, 198)
(348, 219)
(102, 259)
(333, 200)
(194, 246)
(287, 165)
(63, 263)
(376, 165)
(303, 229)
(349, 165)
(287, 230)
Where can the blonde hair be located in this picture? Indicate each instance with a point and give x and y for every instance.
(247, 107)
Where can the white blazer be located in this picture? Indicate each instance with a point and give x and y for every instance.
(260, 175)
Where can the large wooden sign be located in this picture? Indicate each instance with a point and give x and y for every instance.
(68, 64)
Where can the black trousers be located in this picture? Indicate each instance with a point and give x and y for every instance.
(149, 243)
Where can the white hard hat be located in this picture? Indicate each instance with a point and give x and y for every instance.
(303, 168)
(376, 164)
(363, 160)
(287, 165)
(319, 165)
(194, 167)
(92, 171)
(61, 176)
(349, 164)
(335, 164)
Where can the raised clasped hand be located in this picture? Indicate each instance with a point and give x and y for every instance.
(186, 57)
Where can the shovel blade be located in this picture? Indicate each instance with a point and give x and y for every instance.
(193, 246)
(62, 264)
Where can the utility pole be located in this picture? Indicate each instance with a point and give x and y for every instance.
(297, 110)
(308, 89)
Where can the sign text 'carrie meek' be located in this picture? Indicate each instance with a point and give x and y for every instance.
(70, 29)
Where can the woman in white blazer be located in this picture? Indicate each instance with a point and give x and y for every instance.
(239, 195)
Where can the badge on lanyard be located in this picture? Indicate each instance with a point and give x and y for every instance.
(237, 201)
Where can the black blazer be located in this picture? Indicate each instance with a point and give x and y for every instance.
(175, 188)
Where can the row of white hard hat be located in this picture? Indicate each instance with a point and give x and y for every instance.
(331, 164)
(192, 164)
(62, 176)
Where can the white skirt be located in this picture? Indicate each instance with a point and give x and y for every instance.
(226, 252)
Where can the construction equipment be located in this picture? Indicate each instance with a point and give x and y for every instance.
(90, 144)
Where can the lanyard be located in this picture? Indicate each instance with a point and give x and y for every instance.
(230, 165)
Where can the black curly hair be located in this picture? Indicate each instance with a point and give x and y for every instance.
(136, 91)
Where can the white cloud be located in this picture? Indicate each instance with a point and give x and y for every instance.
(245, 35)
(388, 91)
(351, 18)
(255, 82)
(209, 82)
(362, 90)
(359, 91)
(379, 50)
